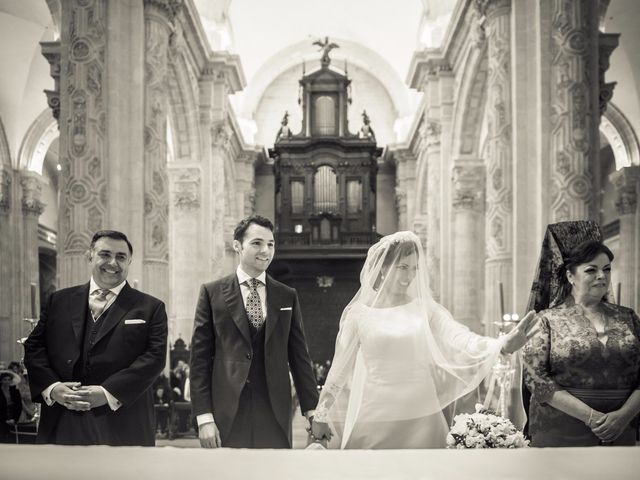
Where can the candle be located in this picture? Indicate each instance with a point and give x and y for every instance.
(33, 301)
(501, 299)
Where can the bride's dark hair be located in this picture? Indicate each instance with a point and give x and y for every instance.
(396, 250)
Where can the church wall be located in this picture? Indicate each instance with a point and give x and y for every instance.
(386, 215)
(265, 196)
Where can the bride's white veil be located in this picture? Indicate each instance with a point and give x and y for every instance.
(442, 363)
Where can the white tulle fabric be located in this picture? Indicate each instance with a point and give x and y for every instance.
(400, 358)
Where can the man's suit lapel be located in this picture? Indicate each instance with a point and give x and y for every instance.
(233, 298)
(273, 307)
(78, 305)
(116, 311)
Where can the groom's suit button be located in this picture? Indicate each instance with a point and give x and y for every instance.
(248, 356)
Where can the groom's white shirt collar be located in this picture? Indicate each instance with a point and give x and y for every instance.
(244, 276)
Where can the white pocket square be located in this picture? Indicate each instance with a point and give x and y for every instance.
(285, 308)
(134, 321)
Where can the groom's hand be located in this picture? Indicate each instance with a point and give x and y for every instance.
(522, 333)
(209, 435)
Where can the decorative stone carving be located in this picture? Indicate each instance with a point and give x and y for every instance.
(51, 51)
(401, 200)
(186, 195)
(31, 194)
(573, 98)
(5, 189)
(468, 187)
(83, 146)
(221, 133)
(157, 31)
(607, 43)
(627, 183)
(432, 133)
(169, 8)
(499, 152)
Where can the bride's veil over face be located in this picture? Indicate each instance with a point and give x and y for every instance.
(444, 360)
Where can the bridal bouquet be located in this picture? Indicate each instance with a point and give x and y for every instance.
(484, 429)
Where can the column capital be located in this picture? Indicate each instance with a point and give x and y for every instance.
(5, 189)
(493, 8)
(31, 184)
(468, 187)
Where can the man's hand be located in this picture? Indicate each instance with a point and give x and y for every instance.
(66, 394)
(209, 435)
(93, 394)
(522, 333)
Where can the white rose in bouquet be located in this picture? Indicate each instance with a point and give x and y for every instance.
(484, 429)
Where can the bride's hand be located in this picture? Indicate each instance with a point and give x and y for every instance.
(526, 328)
(320, 430)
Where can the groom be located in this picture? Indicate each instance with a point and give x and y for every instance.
(247, 334)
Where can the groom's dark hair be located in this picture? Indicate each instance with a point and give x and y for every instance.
(243, 225)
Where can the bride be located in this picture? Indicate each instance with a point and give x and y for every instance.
(400, 358)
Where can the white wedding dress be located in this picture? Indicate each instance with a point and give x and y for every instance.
(395, 388)
(396, 368)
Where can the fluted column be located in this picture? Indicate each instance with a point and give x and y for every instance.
(499, 182)
(158, 18)
(574, 137)
(467, 252)
(627, 264)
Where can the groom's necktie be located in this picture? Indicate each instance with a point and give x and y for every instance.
(254, 306)
(98, 300)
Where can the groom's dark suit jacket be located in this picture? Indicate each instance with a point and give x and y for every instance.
(124, 357)
(223, 361)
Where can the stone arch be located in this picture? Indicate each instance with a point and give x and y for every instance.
(5, 153)
(39, 137)
(183, 110)
(470, 107)
(621, 136)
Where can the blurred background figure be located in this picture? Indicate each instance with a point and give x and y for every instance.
(28, 407)
(10, 404)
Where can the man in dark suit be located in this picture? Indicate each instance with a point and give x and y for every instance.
(247, 336)
(95, 354)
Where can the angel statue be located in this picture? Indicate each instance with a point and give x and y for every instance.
(366, 131)
(284, 131)
(326, 47)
